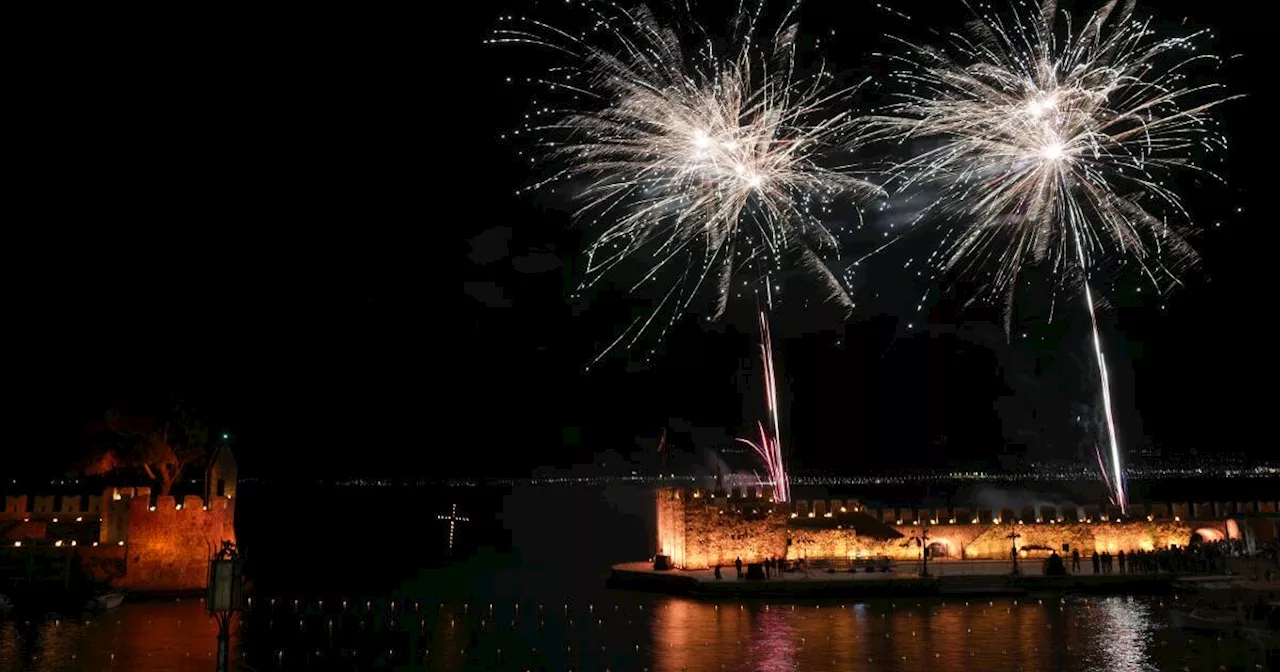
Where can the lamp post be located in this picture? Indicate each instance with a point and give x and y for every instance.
(923, 540)
(1013, 548)
(226, 595)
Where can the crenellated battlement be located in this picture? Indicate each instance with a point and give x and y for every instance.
(162, 542)
(51, 506)
(738, 500)
(46, 507)
(697, 528)
(1151, 512)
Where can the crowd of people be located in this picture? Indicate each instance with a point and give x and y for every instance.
(1194, 558)
(772, 568)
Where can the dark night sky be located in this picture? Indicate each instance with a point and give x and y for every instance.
(272, 216)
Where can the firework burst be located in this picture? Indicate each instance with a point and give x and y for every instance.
(1056, 143)
(705, 164)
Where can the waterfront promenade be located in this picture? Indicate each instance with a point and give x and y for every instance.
(975, 578)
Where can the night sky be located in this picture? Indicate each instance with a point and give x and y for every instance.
(271, 217)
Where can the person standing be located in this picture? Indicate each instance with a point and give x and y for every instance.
(1120, 561)
(738, 564)
(1075, 559)
(1097, 562)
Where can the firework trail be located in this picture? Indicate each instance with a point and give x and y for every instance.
(770, 447)
(1102, 469)
(1055, 144)
(1121, 496)
(699, 162)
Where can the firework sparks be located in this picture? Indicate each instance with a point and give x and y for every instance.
(1057, 145)
(770, 447)
(702, 163)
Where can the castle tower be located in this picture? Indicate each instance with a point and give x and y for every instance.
(220, 475)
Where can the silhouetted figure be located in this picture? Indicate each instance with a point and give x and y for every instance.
(1075, 559)
(1054, 566)
(1120, 561)
(718, 577)
(738, 564)
(1097, 563)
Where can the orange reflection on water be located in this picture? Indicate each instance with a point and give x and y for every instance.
(162, 635)
(954, 635)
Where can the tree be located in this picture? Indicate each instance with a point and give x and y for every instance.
(160, 448)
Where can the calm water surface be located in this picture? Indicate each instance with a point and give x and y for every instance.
(625, 631)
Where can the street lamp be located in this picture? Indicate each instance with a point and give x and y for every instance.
(226, 595)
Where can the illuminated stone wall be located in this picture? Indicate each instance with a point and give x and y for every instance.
(168, 545)
(122, 537)
(818, 542)
(950, 540)
(1088, 538)
(67, 518)
(671, 525)
(698, 529)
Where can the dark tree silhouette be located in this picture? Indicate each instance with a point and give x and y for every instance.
(162, 448)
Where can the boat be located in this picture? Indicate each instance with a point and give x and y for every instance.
(1206, 619)
(1264, 628)
(104, 601)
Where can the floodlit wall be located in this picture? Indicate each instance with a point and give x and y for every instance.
(697, 528)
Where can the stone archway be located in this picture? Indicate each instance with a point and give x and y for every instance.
(940, 548)
(1233, 529)
(1207, 535)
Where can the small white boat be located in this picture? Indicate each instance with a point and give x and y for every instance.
(1265, 638)
(1264, 628)
(105, 601)
(1212, 620)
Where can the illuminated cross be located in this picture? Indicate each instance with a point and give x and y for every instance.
(453, 519)
(1013, 538)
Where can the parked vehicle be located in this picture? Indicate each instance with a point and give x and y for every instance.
(878, 563)
(105, 601)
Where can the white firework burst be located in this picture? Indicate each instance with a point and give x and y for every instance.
(701, 163)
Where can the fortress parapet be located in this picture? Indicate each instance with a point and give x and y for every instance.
(697, 529)
(161, 542)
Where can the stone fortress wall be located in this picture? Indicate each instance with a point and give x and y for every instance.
(140, 541)
(698, 528)
(165, 544)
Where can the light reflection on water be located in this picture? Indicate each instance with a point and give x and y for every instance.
(1124, 626)
(144, 636)
(628, 631)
